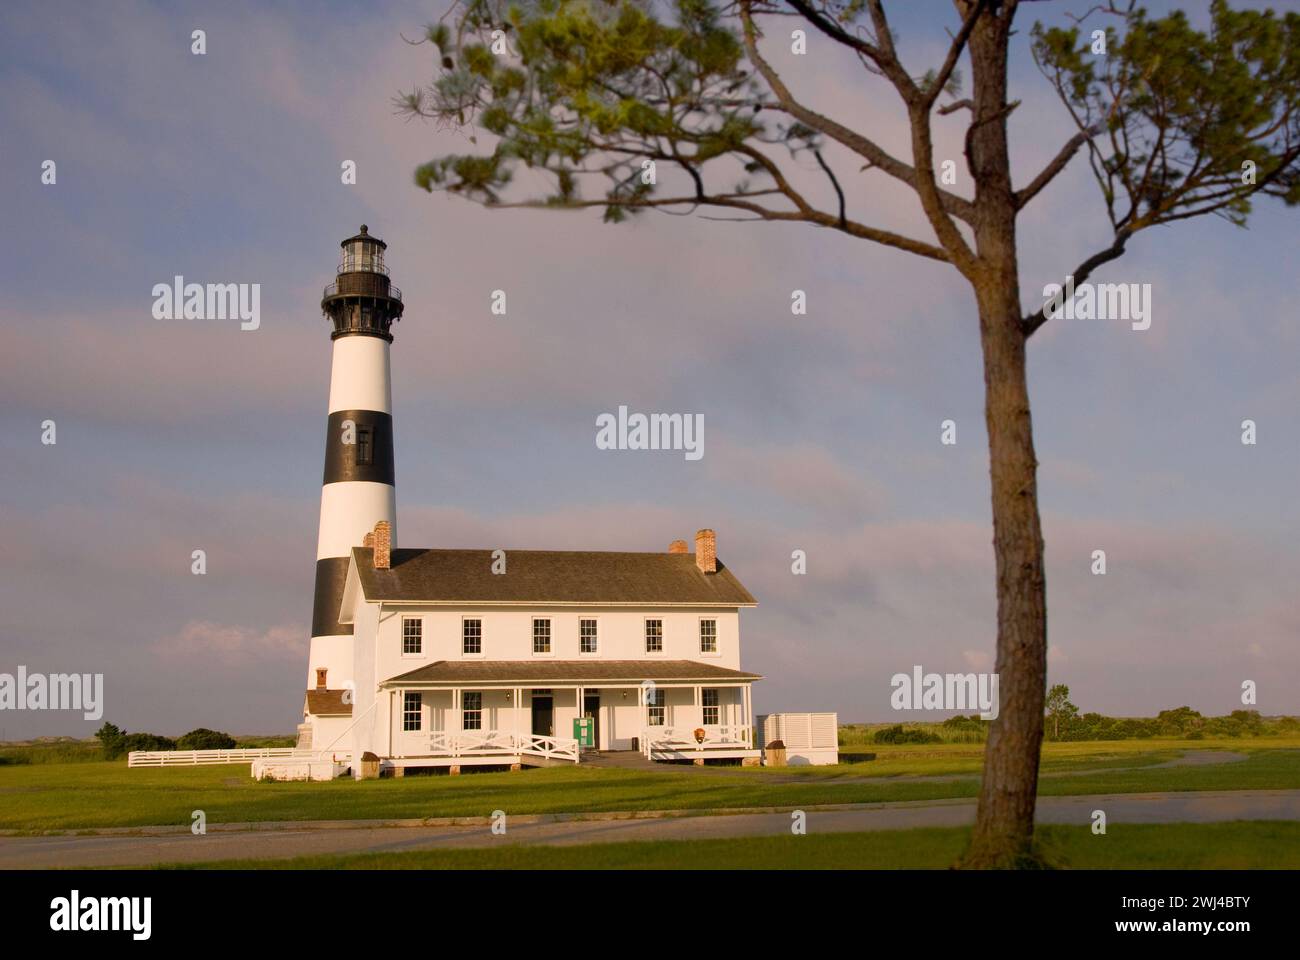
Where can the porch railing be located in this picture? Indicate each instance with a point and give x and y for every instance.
(717, 736)
(478, 743)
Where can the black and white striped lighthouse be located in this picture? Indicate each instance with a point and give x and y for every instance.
(358, 489)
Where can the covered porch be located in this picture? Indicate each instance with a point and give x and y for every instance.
(452, 713)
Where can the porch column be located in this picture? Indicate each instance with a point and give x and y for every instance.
(519, 696)
(699, 706)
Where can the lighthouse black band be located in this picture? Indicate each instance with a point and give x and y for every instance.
(331, 576)
(369, 457)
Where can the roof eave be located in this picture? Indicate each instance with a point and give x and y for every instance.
(595, 684)
(388, 601)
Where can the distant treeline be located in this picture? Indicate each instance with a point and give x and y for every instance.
(1181, 722)
(118, 742)
(1066, 724)
(111, 743)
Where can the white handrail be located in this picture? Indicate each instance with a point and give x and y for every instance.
(171, 758)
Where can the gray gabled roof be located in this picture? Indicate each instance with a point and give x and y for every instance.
(548, 576)
(548, 672)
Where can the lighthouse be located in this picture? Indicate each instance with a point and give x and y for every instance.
(357, 491)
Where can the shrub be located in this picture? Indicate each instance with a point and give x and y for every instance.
(146, 741)
(205, 739)
(118, 742)
(111, 737)
(896, 734)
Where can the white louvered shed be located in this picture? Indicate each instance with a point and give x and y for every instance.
(811, 739)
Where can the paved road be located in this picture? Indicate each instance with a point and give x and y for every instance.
(288, 840)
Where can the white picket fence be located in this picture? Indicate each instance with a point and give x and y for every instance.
(190, 758)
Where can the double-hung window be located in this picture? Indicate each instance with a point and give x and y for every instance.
(471, 710)
(710, 701)
(541, 635)
(588, 642)
(654, 636)
(471, 632)
(655, 703)
(412, 635)
(708, 636)
(412, 704)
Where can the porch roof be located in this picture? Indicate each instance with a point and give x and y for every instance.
(558, 672)
(328, 703)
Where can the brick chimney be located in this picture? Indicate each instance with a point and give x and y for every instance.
(706, 551)
(678, 546)
(369, 539)
(320, 678)
(383, 545)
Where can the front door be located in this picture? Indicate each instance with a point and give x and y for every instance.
(543, 716)
(591, 708)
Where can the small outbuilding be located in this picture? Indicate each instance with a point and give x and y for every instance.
(809, 739)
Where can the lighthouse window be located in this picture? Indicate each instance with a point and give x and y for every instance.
(365, 448)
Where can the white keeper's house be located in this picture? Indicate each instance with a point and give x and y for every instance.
(449, 658)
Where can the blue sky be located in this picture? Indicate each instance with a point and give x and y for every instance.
(821, 431)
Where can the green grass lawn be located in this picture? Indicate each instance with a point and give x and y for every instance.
(1181, 846)
(967, 759)
(71, 796)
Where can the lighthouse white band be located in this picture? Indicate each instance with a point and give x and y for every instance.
(350, 510)
(360, 377)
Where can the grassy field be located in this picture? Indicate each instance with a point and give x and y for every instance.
(70, 796)
(1212, 846)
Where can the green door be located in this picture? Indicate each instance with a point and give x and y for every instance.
(591, 710)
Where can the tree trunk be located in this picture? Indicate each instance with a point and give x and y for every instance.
(1004, 826)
